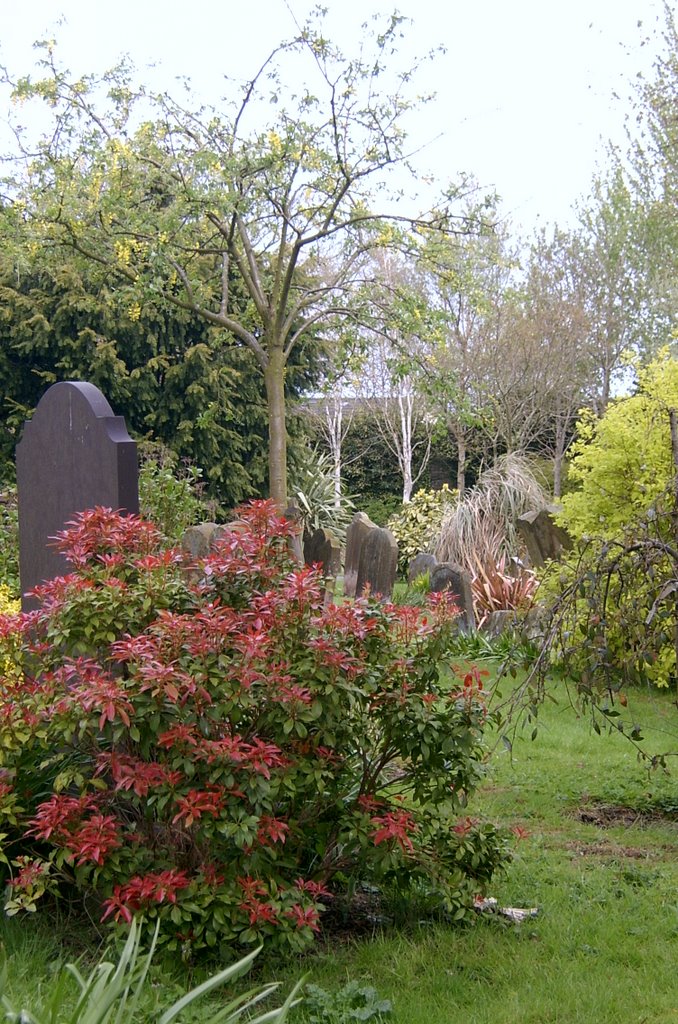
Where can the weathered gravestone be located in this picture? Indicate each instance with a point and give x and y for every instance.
(357, 531)
(74, 454)
(378, 563)
(296, 544)
(420, 565)
(322, 548)
(200, 540)
(446, 576)
(543, 539)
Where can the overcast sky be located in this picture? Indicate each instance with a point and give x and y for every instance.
(526, 91)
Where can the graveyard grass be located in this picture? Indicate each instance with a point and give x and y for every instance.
(604, 944)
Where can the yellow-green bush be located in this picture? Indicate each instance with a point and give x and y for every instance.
(622, 462)
(8, 606)
(614, 597)
(416, 525)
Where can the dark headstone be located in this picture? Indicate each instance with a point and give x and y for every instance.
(322, 548)
(378, 563)
(543, 539)
(357, 531)
(450, 577)
(420, 565)
(74, 454)
(296, 544)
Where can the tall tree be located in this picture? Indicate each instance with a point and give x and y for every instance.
(552, 370)
(170, 201)
(465, 280)
(169, 373)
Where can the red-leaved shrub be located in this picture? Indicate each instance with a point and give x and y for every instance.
(222, 754)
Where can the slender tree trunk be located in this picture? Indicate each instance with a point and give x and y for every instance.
(405, 403)
(337, 428)
(274, 377)
(558, 456)
(461, 463)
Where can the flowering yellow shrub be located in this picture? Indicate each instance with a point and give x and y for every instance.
(8, 606)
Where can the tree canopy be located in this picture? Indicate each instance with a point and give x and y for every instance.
(256, 217)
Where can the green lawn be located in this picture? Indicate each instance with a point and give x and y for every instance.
(604, 945)
(605, 878)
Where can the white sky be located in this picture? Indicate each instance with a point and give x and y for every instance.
(525, 92)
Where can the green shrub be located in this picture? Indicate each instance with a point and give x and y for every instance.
(623, 462)
(612, 600)
(380, 509)
(417, 525)
(312, 487)
(9, 542)
(612, 608)
(219, 755)
(170, 491)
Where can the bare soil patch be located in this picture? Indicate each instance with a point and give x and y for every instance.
(611, 850)
(614, 815)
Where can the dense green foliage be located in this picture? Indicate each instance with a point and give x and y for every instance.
(417, 525)
(612, 609)
(623, 461)
(9, 541)
(172, 377)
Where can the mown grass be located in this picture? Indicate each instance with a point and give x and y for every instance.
(604, 944)
(603, 947)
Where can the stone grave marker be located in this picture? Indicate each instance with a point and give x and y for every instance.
(543, 539)
(322, 548)
(446, 576)
(420, 564)
(74, 454)
(378, 563)
(358, 529)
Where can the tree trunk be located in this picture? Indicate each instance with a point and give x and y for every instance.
(461, 463)
(558, 457)
(406, 434)
(274, 378)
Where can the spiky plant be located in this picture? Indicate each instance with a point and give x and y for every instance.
(119, 992)
(481, 528)
(312, 486)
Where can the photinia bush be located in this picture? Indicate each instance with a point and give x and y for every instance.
(220, 754)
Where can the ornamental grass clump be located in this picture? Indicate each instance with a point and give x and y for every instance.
(221, 755)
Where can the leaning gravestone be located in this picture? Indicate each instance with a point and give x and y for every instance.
(446, 576)
(322, 548)
(543, 539)
(420, 565)
(74, 454)
(378, 563)
(357, 531)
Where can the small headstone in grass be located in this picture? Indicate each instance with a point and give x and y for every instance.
(378, 563)
(74, 454)
(448, 577)
(420, 565)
